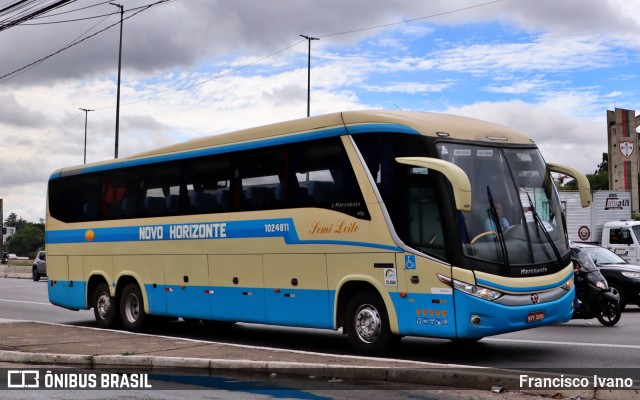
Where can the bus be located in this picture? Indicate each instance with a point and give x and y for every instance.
(370, 222)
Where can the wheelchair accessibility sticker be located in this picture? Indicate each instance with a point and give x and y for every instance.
(410, 262)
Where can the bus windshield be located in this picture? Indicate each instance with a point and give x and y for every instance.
(515, 214)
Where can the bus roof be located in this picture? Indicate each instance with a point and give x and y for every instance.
(335, 124)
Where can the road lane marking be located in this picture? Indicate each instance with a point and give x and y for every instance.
(623, 346)
(25, 302)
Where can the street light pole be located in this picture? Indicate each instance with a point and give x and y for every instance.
(119, 69)
(309, 38)
(86, 112)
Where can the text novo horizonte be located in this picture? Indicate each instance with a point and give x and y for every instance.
(183, 231)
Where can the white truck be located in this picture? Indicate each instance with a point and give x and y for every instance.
(622, 237)
(607, 222)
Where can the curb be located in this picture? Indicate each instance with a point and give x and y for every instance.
(465, 378)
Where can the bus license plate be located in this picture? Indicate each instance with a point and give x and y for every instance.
(535, 316)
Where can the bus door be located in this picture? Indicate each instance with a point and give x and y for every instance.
(429, 302)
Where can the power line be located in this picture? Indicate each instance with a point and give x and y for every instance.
(41, 136)
(33, 65)
(85, 18)
(412, 20)
(144, 8)
(71, 11)
(31, 4)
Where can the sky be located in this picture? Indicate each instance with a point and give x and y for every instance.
(193, 68)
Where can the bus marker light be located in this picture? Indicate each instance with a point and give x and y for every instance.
(182, 286)
(168, 289)
(403, 294)
(208, 291)
(276, 290)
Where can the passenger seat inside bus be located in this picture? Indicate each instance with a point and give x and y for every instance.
(173, 203)
(223, 198)
(90, 210)
(155, 206)
(258, 197)
(129, 207)
(322, 191)
(202, 202)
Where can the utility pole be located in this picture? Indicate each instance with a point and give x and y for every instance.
(86, 112)
(119, 69)
(309, 38)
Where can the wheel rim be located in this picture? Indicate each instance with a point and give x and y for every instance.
(132, 308)
(103, 305)
(368, 323)
(609, 313)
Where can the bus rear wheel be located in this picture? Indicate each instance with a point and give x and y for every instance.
(104, 307)
(367, 324)
(132, 308)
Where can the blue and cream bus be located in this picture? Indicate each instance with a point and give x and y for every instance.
(380, 223)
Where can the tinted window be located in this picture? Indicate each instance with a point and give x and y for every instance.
(307, 174)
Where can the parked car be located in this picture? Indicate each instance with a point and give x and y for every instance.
(620, 275)
(39, 268)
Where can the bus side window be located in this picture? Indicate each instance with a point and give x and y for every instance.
(325, 178)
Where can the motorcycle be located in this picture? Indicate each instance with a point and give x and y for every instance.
(596, 298)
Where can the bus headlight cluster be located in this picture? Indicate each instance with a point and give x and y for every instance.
(478, 291)
(568, 285)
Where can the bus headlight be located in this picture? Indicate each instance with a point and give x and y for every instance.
(474, 290)
(568, 285)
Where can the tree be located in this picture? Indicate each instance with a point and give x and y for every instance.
(27, 241)
(603, 167)
(599, 180)
(15, 221)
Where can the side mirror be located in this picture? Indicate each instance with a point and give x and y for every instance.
(456, 176)
(583, 183)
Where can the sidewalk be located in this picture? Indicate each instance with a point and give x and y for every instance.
(42, 343)
(13, 271)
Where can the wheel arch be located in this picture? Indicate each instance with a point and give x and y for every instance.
(125, 279)
(92, 284)
(349, 286)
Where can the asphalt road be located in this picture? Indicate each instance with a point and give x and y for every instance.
(581, 346)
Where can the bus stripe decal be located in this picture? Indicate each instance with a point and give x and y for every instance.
(197, 231)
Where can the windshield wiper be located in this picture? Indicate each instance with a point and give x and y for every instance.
(493, 214)
(540, 225)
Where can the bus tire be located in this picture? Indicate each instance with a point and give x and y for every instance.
(367, 324)
(132, 308)
(105, 309)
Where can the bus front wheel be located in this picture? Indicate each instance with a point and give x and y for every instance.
(132, 308)
(368, 324)
(104, 307)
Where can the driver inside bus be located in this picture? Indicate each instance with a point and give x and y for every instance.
(490, 224)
